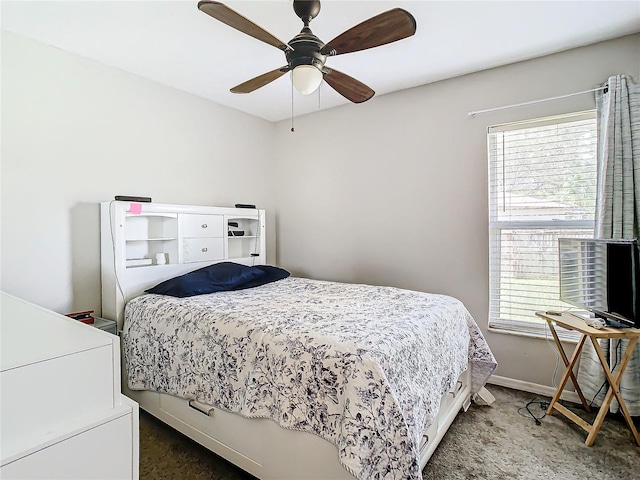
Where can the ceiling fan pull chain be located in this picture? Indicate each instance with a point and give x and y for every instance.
(292, 129)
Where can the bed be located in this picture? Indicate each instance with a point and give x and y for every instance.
(288, 378)
(362, 367)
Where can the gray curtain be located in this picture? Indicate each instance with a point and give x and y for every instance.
(617, 216)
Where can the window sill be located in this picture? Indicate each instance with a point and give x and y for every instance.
(566, 336)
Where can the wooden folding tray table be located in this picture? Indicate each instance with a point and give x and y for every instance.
(571, 322)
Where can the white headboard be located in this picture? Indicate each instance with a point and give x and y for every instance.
(143, 244)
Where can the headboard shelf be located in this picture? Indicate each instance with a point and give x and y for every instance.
(143, 244)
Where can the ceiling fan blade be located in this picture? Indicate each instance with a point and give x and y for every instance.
(260, 81)
(347, 86)
(232, 18)
(387, 27)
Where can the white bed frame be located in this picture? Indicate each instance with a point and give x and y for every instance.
(258, 446)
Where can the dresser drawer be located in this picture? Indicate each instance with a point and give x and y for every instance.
(103, 451)
(203, 249)
(202, 226)
(38, 398)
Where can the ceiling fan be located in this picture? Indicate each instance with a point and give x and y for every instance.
(306, 54)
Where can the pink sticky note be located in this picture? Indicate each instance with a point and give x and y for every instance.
(135, 208)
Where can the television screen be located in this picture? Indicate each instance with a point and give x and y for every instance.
(601, 275)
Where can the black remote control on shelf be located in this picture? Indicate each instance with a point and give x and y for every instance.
(244, 205)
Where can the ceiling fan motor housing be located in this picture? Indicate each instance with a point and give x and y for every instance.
(306, 50)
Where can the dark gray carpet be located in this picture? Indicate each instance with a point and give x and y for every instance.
(497, 442)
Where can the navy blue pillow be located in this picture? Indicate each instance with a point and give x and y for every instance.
(271, 274)
(219, 277)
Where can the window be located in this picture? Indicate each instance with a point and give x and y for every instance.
(542, 186)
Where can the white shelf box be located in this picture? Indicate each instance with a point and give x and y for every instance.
(151, 226)
(243, 247)
(148, 234)
(243, 240)
(149, 249)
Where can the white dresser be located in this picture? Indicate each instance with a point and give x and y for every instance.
(62, 413)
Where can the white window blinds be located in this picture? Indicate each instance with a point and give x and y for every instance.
(542, 186)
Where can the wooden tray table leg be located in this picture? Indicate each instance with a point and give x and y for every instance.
(574, 380)
(568, 372)
(614, 390)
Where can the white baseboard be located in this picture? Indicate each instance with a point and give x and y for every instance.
(532, 388)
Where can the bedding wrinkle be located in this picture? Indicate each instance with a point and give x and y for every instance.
(363, 367)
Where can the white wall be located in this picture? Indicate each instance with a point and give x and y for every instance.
(394, 191)
(76, 133)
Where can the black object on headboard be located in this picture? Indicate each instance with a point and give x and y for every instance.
(129, 198)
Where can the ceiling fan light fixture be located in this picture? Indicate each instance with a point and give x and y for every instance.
(306, 78)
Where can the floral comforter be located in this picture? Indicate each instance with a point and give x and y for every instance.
(362, 366)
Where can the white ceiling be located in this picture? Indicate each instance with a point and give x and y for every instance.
(173, 43)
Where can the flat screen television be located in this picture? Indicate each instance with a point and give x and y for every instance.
(602, 276)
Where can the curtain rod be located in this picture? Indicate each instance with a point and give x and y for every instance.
(473, 114)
